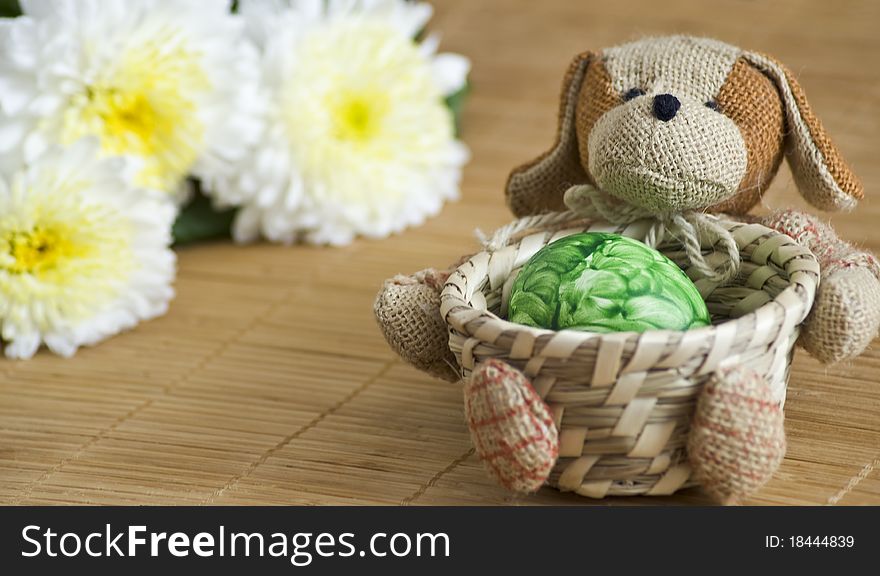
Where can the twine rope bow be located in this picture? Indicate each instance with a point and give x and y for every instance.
(691, 228)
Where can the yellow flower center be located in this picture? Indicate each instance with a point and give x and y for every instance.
(36, 250)
(129, 115)
(62, 255)
(144, 107)
(357, 117)
(363, 116)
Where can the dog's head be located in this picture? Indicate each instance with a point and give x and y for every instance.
(679, 123)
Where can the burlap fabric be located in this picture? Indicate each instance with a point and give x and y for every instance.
(693, 158)
(408, 312)
(846, 314)
(538, 187)
(737, 438)
(739, 114)
(511, 427)
(738, 111)
(823, 177)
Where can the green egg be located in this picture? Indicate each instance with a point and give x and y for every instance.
(598, 282)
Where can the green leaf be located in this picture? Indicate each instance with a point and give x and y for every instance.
(199, 221)
(9, 9)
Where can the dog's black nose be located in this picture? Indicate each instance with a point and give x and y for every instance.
(665, 107)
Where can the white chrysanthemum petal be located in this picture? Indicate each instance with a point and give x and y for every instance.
(358, 139)
(48, 8)
(15, 92)
(11, 133)
(83, 253)
(173, 83)
(429, 45)
(313, 9)
(450, 71)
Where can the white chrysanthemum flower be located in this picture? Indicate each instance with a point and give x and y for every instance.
(358, 139)
(83, 253)
(172, 83)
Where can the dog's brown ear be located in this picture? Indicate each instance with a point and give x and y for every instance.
(539, 185)
(820, 172)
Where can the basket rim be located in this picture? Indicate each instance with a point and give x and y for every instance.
(796, 299)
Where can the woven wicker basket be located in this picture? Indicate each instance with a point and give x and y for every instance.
(623, 402)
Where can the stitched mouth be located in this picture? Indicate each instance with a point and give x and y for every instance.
(634, 184)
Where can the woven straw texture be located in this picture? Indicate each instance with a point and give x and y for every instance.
(623, 402)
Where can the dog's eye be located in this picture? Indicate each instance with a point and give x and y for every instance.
(712, 105)
(633, 93)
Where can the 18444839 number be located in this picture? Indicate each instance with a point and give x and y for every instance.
(809, 542)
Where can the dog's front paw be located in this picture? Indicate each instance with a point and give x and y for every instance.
(737, 438)
(846, 315)
(407, 310)
(511, 427)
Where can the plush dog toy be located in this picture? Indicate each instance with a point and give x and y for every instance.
(680, 123)
(676, 127)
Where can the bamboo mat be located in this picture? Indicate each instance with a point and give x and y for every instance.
(268, 382)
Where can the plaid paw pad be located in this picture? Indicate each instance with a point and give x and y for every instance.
(511, 427)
